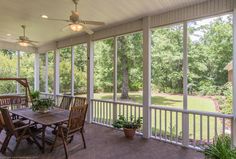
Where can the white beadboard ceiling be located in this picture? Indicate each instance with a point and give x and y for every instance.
(14, 13)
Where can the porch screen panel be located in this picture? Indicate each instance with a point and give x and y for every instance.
(50, 71)
(166, 66)
(210, 52)
(27, 68)
(130, 68)
(80, 70)
(65, 71)
(210, 64)
(103, 69)
(8, 68)
(42, 72)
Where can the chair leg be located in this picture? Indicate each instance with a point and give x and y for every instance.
(64, 143)
(5, 143)
(55, 140)
(82, 134)
(34, 139)
(17, 145)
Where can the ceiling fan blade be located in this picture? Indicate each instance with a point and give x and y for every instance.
(92, 22)
(9, 39)
(32, 44)
(32, 41)
(62, 20)
(87, 30)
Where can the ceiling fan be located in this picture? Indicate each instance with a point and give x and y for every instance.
(75, 23)
(24, 40)
(21, 40)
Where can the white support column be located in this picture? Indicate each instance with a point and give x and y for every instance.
(56, 72)
(36, 72)
(46, 73)
(115, 80)
(185, 118)
(90, 64)
(146, 78)
(233, 133)
(18, 72)
(72, 70)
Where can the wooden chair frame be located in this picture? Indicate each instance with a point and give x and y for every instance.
(20, 132)
(75, 124)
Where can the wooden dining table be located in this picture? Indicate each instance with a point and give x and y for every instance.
(54, 116)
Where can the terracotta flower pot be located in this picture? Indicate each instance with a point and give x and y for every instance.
(129, 133)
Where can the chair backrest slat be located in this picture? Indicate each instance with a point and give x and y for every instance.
(80, 101)
(77, 118)
(8, 124)
(66, 102)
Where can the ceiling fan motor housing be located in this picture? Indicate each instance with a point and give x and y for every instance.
(23, 38)
(74, 18)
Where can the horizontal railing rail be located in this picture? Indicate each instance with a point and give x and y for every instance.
(166, 124)
(103, 111)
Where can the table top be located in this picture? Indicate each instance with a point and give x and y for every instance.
(54, 116)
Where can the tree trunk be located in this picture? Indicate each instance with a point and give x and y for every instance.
(125, 74)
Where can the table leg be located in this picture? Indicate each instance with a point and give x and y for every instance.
(43, 138)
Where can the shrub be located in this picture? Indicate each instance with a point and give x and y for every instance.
(221, 149)
(227, 92)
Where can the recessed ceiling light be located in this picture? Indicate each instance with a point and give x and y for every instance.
(8, 34)
(44, 16)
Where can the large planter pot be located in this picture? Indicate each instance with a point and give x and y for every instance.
(129, 133)
(43, 110)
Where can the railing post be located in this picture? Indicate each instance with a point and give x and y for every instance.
(90, 63)
(185, 116)
(115, 80)
(233, 132)
(36, 71)
(146, 78)
(56, 74)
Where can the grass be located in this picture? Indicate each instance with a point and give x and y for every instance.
(194, 102)
(176, 101)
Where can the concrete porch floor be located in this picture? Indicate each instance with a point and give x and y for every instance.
(107, 143)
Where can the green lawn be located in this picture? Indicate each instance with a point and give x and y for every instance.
(194, 102)
(176, 101)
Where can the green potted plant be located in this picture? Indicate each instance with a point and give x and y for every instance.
(42, 105)
(129, 126)
(221, 149)
(34, 95)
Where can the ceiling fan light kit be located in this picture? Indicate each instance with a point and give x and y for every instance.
(76, 27)
(76, 24)
(22, 43)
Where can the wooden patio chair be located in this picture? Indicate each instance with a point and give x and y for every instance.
(75, 124)
(66, 102)
(19, 129)
(80, 101)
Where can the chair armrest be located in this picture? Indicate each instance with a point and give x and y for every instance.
(63, 125)
(22, 127)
